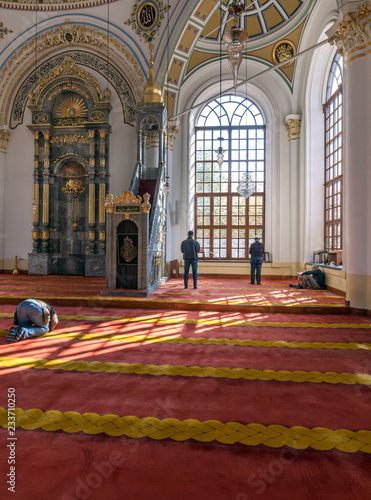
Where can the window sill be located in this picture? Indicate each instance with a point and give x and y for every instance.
(326, 266)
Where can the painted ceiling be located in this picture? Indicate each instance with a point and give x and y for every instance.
(274, 30)
(259, 18)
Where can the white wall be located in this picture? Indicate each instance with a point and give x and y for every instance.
(2, 206)
(123, 149)
(18, 193)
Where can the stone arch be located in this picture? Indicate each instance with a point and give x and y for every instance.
(88, 47)
(81, 58)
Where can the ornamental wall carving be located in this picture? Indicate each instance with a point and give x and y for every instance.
(122, 88)
(89, 48)
(4, 139)
(353, 34)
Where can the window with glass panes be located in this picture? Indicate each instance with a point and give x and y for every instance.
(333, 110)
(226, 223)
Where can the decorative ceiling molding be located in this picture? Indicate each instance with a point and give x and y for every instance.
(51, 4)
(63, 39)
(4, 30)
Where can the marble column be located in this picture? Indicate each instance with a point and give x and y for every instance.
(36, 195)
(144, 155)
(91, 213)
(102, 194)
(352, 35)
(139, 147)
(46, 196)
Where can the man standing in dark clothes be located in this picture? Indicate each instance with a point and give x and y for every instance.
(190, 249)
(257, 253)
(313, 279)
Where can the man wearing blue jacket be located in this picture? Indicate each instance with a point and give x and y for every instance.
(190, 249)
(32, 318)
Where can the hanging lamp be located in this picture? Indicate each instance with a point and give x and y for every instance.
(246, 187)
(234, 39)
(220, 152)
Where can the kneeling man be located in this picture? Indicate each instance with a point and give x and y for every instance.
(313, 279)
(32, 318)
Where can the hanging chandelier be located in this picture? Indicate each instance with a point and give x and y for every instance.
(234, 40)
(246, 186)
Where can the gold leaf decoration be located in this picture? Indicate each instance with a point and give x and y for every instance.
(128, 251)
(71, 107)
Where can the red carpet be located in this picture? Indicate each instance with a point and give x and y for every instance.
(212, 294)
(299, 385)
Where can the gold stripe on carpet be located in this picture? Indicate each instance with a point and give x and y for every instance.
(188, 371)
(272, 436)
(148, 339)
(262, 302)
(207, 322)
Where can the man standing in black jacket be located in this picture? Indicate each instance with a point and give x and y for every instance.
(313, 279)
(190, 249)
(256, 251)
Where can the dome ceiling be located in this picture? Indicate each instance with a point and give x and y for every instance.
(274, 30)
(260, 16)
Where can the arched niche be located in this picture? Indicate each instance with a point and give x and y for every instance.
(127, 255)
(70, 125)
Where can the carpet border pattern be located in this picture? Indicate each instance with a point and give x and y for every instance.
(228, 433)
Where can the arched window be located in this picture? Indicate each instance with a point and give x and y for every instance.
(226, 222)
(333, 109)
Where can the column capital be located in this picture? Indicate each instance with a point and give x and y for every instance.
(293, 125)
(351, 33)
(4, 139)
(172, 129)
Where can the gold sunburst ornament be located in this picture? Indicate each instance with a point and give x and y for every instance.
(71, 107)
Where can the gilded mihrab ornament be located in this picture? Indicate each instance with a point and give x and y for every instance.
(71, 107)
(128, 251)
(146, 18)
(74, 186)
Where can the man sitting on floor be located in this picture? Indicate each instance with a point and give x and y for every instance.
(313, 279)
(32, 318)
